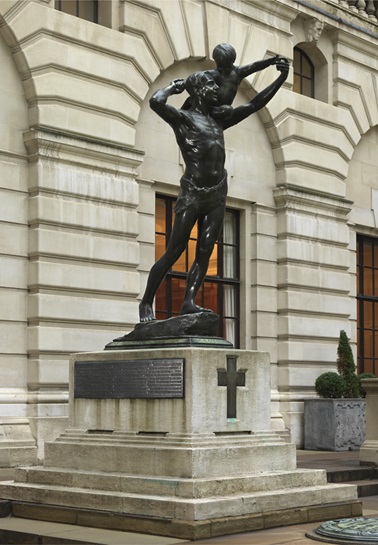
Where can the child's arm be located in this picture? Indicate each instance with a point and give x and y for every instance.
(247, 69)
(261, 99)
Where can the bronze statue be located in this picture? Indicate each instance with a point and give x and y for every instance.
(199, 128)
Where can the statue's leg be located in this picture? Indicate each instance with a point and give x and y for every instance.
(209, 230)
(178, 240)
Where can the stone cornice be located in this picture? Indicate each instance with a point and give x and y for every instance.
(305, 200)
(57, 146)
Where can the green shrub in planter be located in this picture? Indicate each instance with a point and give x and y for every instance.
(330, 385)
(337, 421)
(345, 383)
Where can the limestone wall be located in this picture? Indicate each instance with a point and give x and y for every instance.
(82, 157)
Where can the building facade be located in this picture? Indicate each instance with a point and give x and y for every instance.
(88, 174)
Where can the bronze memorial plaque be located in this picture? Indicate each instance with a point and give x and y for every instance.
(143, 379)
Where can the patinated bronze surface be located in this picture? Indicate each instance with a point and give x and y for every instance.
(356, 531)
(128, 379)
(199, 126)
(231, 379)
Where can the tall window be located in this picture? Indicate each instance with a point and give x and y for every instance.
(367, 305)
(220, 290)
(85, 9)
(304, 76)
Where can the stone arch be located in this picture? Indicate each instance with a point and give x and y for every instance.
(74, 89)
(9, 37)
(13, 255)
(362, 181)
(202, 28)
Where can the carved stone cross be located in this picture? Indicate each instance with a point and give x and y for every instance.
(232, 379)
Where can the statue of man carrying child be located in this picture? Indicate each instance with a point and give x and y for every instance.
(199, 126)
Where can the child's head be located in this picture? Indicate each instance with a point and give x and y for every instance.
(224, 55)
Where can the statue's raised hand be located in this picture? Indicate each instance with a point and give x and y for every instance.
(282, 65)
(275, 59)
(178, 86)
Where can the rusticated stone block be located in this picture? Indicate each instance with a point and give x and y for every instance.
(357, 509)
(44, 512)
(286, 518)
(328, 512)
(236, 525)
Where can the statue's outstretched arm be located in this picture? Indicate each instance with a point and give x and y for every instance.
(248, 69)
(261, 99)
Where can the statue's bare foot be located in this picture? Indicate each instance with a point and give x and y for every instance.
(191, 308)
(146, 313)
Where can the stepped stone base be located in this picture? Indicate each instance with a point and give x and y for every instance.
(178, 465)
(183, 529)
(186, 480)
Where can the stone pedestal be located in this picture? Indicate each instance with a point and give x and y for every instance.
(174, 442)
(369, 448)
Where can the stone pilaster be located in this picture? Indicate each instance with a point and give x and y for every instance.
(313, 292)
(369, 449)
(83, 257)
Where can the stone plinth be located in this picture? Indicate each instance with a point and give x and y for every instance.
(202, 409)
(186, 451)
(369, 448)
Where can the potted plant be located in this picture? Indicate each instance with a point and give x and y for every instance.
(337, 421)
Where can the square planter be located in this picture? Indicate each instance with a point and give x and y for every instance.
(334, 424)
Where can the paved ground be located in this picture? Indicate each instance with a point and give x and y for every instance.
(289, 535)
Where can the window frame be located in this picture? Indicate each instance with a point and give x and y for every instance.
(220, 280)
(58, 6)
(303, 55)
(367, 357)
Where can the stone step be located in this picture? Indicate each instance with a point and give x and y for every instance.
(365, 478)
(17, 454)
(172, 507)
(352, 474)
(222, 456)
(187, 530)
(366, 488)
(164, 486)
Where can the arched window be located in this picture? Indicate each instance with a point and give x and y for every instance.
(85, 9)
(304, 74)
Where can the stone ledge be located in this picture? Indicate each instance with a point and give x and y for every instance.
(192, 530)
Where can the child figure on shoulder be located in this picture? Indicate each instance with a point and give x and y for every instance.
(228, 77)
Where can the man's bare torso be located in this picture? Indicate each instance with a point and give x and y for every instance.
(201, 142)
